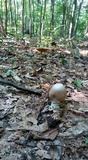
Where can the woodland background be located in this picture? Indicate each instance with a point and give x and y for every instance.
(45, 19)
(43, 42)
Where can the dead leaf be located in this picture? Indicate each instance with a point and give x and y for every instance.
(70, 80)
(43, 154)
(50, 134)
(23, 126)
(85, 83)
(42, 49)
(77, 112)
(79, 97)
(45, 86)
(79, 129)
(55, 150)
(14, 136)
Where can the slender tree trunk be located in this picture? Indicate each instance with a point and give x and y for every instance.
(33, 30)
(43, 18)
(6, 14)
(72, 23)
(2, 30)
(31, 18)
(63, 20)
(11, 14)
(1, 14)
(77, 19)
(52, 18)
(23, 11)
(41, 10)
(15, 15)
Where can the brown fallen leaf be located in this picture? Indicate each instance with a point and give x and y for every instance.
(51, 134)
(76, 112)
(46, 135)
(45, 86)
(42, 49)
(79, 97)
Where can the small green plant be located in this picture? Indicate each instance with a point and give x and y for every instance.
(77, 57)
(64, 60)
(78, 83)
(86, 140)
(9, 73)
(56, 55)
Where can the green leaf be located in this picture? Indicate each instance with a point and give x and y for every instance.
(77, 57)
(10, 73)
(56, 55)
(64, 60)
(86, 140)
(13, 59)
(78, 83)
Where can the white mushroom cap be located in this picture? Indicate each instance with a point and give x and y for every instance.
(57, 92)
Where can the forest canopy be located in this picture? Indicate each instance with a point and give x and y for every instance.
(44, 18)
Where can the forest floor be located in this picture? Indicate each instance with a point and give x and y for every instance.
(28, 129)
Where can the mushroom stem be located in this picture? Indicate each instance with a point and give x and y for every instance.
(54, 105)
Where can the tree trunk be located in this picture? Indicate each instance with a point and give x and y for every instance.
(52, 19)
(77, 19)
(23, 11)
(63, 20)
(2, 30)
(43, 12)
(31, 18)
(6, 14)
(74, 18)
(11, 14)
(72, 23)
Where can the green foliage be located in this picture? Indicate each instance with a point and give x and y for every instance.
(14, 23)
(10, 73)
(45, 41)
(64, 60)
(78, 83)
(56, 55)
(86, 140)
(77, 57)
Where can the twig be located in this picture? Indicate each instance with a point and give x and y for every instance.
(6, 82)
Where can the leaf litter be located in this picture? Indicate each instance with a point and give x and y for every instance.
(27, 129)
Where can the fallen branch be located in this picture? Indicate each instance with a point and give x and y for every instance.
(9, 83)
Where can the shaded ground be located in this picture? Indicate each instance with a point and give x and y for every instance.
(29, 131)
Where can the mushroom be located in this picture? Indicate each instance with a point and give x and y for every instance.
(57, 94)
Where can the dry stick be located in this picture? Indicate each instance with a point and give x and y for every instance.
(5, 81)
